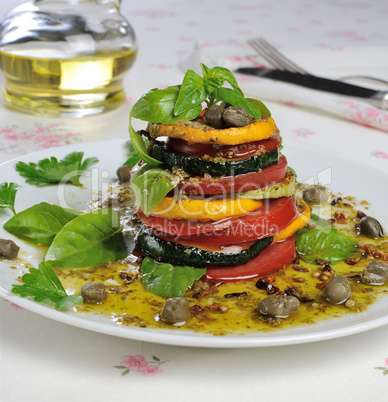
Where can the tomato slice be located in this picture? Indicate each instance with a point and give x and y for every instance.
(273, 216)
(231, 184)
(242, 234)
(275, 257)
(245, 150)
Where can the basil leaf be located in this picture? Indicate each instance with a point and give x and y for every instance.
(166, 280)
(133, 156)
(157, 106)
(140, 146)
(236, 99)
(192, 92)
(90, 239)
(44, 286)
(7, 195)
(150, 185)
(40, 223)
(222, 74)
(326, 243)
(260, 105)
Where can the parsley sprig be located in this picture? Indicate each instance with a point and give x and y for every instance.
(50, 171)
(7, 195)
(44, 286)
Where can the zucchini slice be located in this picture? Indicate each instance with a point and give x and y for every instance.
(285, 188)
(199, 166)
(177, 254)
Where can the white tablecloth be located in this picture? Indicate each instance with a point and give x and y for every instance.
(44, 360)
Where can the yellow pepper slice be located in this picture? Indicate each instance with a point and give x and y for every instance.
(299, 223)
(256, 131)
(209, 209)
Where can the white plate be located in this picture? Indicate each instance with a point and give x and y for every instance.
(343, 176)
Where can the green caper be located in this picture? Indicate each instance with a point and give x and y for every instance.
(236, 117)
(370, 227)
(176, 310)
(337, 290)
(8, 249)
(280, 306)
(315, 195)
(124, 174)
(93, 292)
(375, 273)
(213, 116)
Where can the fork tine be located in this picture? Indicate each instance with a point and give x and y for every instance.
(258, 48)
(271, 54)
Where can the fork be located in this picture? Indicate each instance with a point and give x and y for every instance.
(281, 62)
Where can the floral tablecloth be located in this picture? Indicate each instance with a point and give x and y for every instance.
(44, 360)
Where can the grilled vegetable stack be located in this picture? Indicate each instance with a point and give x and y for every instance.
(213, 189)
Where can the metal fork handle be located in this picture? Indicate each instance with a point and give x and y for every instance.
(381, 100)
(281, 62)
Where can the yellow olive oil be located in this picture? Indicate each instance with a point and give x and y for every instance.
(72, 86)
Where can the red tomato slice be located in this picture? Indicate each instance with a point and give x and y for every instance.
(199, 185)
(273, 216)
(246, 150)
(275, 257)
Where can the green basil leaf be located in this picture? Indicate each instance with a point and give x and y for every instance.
(40, 223)
(133, 156)
(192, 92)
(157, 106)
(314, 219)
(150, 185)
(223, 74)
(326, 243)
(90, 239)
(7, 195)
(236, 99)
(260, 105)
(140, 146)
(206, 71)
(44, 286)
(166, 280)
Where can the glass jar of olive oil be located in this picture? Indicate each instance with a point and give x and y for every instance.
(65, 57)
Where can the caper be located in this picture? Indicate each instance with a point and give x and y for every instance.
(337, 290)
(124, 174)
(8, 249)
(93, 292)
(280, 306)
(370, 227)
(375, 273)
(176, 310)
(213, 116)
(236, 117)
(315, 195)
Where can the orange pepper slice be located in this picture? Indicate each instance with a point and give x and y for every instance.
(209, 209)
(256, 131)
(299, 223)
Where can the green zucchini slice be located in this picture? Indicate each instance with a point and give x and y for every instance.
(285, 188)
(177, 254)
(199, 166)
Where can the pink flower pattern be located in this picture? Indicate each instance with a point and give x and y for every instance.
(370, 116)
(303, 132)
(14, 139)
(380, 154)
(385, 368)
(139, 365)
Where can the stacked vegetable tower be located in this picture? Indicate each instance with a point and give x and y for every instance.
(213, 189)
